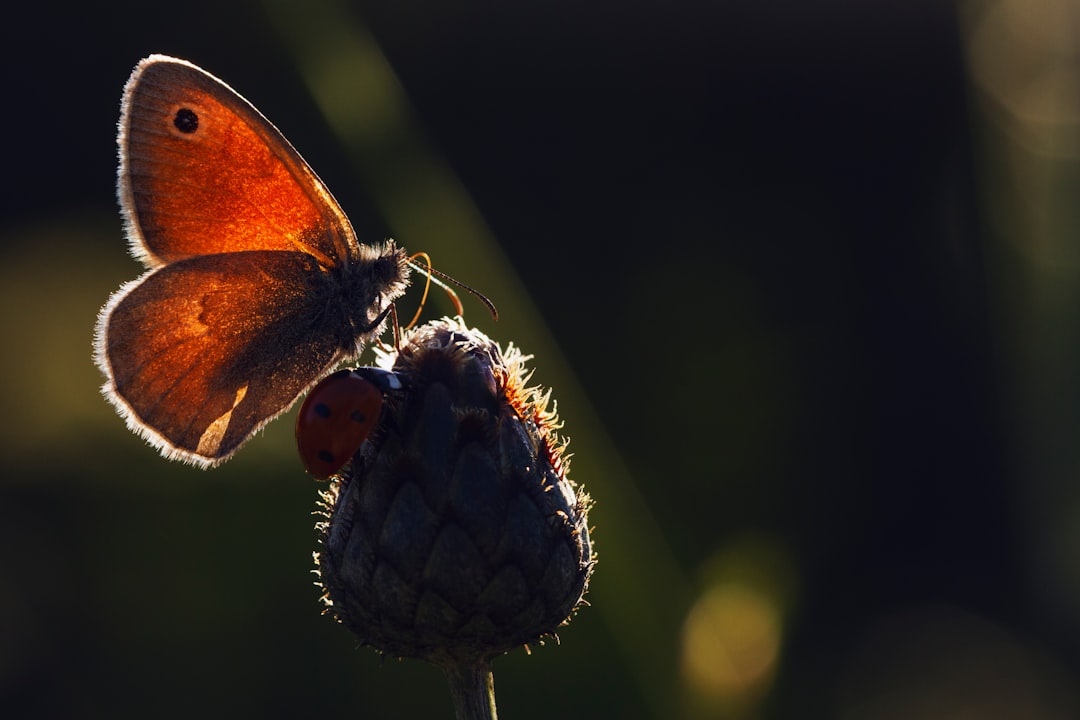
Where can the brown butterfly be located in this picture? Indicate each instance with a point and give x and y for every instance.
(256, 286)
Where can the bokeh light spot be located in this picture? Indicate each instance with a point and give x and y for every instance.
(731, 641)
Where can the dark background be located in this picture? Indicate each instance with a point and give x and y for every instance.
(821, 386)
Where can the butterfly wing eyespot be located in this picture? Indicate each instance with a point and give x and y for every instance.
(338, 416)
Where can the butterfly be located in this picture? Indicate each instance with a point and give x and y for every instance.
(255, 287)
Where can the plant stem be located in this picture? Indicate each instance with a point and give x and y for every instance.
(472, 688)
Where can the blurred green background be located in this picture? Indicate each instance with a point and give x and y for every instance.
(804, 278)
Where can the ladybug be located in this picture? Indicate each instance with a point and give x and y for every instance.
(338, 415)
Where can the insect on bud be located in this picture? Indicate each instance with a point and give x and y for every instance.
(455, 534)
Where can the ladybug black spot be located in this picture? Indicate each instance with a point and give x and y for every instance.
(186, 121)
(357, 417)
(322, 410)
(326, 456)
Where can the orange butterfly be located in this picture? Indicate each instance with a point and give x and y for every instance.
(256, 286)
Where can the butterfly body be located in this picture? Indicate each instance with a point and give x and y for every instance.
(256, 284)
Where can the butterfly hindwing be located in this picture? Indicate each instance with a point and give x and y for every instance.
(206, 350)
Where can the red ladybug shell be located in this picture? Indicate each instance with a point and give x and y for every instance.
(335, 420)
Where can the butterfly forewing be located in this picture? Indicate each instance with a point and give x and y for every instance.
(203, 172)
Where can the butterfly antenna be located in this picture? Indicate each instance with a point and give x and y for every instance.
(427, 287)
(441, 279)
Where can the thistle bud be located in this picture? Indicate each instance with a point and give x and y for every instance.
(455, 534)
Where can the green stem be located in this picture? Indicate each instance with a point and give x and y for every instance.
(472, 688)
